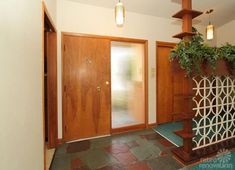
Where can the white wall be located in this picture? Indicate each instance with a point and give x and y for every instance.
(21, 131)
(51, 6)
(226, 34)
(80, 18)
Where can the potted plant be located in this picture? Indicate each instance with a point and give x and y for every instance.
(195, 57)
(227, 52)
(192, 55)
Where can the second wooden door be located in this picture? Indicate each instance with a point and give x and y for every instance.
(173, 88)
(86, 87)
(164, 83)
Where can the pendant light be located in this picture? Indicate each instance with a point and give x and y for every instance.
(210, 27)
(119, 13)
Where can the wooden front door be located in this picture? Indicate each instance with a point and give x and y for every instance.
(86, 87)
(164, 83)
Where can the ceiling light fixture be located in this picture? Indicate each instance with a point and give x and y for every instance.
(210, 27)
(119, 13)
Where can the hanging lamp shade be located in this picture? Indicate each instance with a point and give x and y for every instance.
(119, 14)
(210, 27)
(210, 32)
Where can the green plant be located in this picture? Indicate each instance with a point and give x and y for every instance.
(191, 55)
(227, 52)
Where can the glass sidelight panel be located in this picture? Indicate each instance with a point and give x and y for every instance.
(127, 75)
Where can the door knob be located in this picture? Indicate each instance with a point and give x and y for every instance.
(98, 88)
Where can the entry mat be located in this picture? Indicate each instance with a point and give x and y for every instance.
(167, 131)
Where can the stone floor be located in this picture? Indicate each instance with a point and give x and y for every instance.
(49, 156)
(141, 150)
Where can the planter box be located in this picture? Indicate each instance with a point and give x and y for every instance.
(222, 68)
(232, 68)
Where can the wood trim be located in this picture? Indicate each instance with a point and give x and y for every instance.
(59, 141)
(43, 105)
(52, 89)
(160, 44)
(146, 83)
(165, 44)
(45, 14)
(145, 43)
(111, 38)
(128, 128)
(62, 83)
(152, 125)
(48, 17)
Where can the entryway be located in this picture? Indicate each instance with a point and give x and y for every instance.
(104, 82)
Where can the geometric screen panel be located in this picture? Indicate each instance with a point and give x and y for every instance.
(214, 105)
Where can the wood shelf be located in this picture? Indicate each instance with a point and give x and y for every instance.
(184, 116)
(183, 12)
(184, 134)
(184, 34)
(195, 156)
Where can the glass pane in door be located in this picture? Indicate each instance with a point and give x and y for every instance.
(127, 77)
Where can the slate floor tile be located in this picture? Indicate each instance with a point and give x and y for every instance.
(151, 136)
(78, 146)
(138, 166)
(124, 139)
(146, 152)
(97, 158)
(61, 163)
(76, 163)
(101, 143)
(140, 150)
(125, 158)
(160, 146)
(117, 148)
(166, 143)
(61, 150)
(132, 144)
(112, 167)
(163, 153)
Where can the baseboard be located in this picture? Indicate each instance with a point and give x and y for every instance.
(152, 125)
(128, 129)
(59, 142)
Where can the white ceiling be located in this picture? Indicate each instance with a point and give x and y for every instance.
(224, 10)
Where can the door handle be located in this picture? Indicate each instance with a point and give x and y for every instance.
(98, 88)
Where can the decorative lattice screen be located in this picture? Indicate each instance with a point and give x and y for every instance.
(215, 110)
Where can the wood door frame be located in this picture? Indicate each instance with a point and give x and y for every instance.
(117, 39)
(46, 16)
(160, 44)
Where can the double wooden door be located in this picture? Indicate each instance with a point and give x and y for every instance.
(86, 87)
